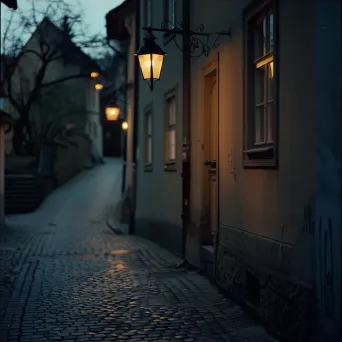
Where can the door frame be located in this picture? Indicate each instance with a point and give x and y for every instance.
(208, 69)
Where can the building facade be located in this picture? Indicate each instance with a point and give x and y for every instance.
(159, 183)
(64, 98)
(5, 123)
(262, 215)
(123, 29)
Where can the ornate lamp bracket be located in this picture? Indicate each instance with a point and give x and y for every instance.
(199, 42)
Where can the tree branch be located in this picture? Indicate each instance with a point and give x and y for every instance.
(63, 79)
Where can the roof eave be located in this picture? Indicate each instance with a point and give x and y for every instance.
(116, 29)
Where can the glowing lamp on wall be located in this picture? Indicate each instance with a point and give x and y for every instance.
(112, 111)
(124, 125)
(151, 57)
(98, 86)
(94, 74)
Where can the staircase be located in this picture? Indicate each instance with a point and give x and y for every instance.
(22, 193)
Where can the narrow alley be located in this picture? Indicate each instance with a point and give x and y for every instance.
(65, 276)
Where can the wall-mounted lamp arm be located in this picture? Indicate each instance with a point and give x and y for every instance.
(196, 47)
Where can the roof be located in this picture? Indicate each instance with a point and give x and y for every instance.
(74, 53)
(10, 3)
(115, 20)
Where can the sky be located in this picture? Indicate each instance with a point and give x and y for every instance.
(95, 11)
(94, 16)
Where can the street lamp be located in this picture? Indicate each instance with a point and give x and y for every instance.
(112, 111)
(98, 86)
(150, 56)
(124, 125)
(94, 74)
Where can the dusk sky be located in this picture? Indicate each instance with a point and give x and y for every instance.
(95, 11)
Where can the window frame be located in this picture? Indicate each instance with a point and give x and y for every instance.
(148, 164)
(170, 164)
(263, 155)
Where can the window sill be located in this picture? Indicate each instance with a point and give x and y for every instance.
(148, 167)
(170, 166)
(260, 157)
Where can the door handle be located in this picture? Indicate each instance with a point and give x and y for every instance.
(211, 163)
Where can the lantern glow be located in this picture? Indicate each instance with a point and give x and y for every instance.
(124, 125)
(112, 112)
(98, 86)
(94, 74)
(151, 66)
(151, 58)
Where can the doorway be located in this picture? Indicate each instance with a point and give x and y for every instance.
(210, 162)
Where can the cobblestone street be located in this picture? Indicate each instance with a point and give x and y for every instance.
(65, 276)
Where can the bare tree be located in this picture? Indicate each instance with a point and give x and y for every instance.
(65, 43)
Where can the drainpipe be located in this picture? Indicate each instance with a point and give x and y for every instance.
(217, 236)
(186, 126)
(135, 116)
(124, 133)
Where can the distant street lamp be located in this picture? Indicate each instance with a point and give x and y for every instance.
(94, 74)
(150, 56)
(124, 125)
(112, 111)
(98, 86)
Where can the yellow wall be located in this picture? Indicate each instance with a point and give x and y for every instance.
(264, 203)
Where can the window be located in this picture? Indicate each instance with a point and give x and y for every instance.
(260, 94)
(148, 139)
(147, 12)
(170, 13)
(170, 130)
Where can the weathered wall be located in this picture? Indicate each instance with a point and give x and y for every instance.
(63, 104)
(2, 172)
(265, 223)
(159, 192)
(327, 115)
(71, 157)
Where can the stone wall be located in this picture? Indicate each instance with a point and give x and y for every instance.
(282, 302)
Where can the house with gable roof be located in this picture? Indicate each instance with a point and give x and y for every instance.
(64, 108)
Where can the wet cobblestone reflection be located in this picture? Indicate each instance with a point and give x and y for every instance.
(75, 280)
